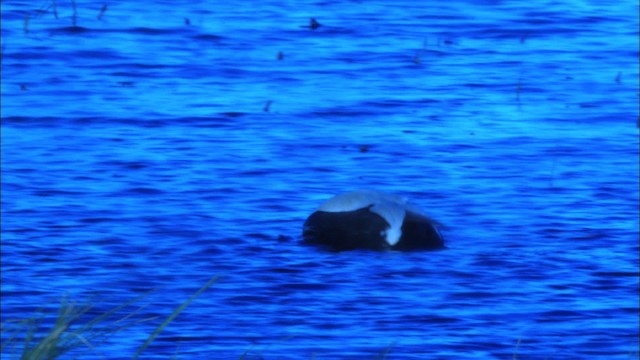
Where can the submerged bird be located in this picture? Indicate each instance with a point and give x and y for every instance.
(367, 219)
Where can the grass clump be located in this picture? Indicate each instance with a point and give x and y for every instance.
(75, 328)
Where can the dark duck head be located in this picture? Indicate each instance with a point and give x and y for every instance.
(367, 219)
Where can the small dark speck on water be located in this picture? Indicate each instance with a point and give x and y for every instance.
(364, 148)
(416, 58)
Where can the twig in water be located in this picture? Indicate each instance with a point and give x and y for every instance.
(25, 26)
(382, 355)
(102, 11)
(515, 352)
(416, 59)
(55, 9)
(313, 24)
(552, 173)
(74, 17)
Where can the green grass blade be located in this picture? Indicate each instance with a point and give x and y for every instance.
(95, 329)
(175, 313)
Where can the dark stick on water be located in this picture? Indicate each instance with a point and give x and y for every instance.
(313, 24)
(102, 11)
(74, 17)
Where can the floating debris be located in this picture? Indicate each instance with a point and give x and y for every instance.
(74, 17)
(25, 26)
(416, 59)
(313, 24)
(102, 11)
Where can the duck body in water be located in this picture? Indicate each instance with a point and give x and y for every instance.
(367, 219)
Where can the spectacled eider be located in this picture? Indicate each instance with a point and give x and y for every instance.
(367, 219)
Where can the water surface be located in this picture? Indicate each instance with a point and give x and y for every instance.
(159, 145)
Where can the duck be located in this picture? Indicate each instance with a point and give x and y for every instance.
(374, 220)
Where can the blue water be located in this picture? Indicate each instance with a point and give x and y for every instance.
(157, 145)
